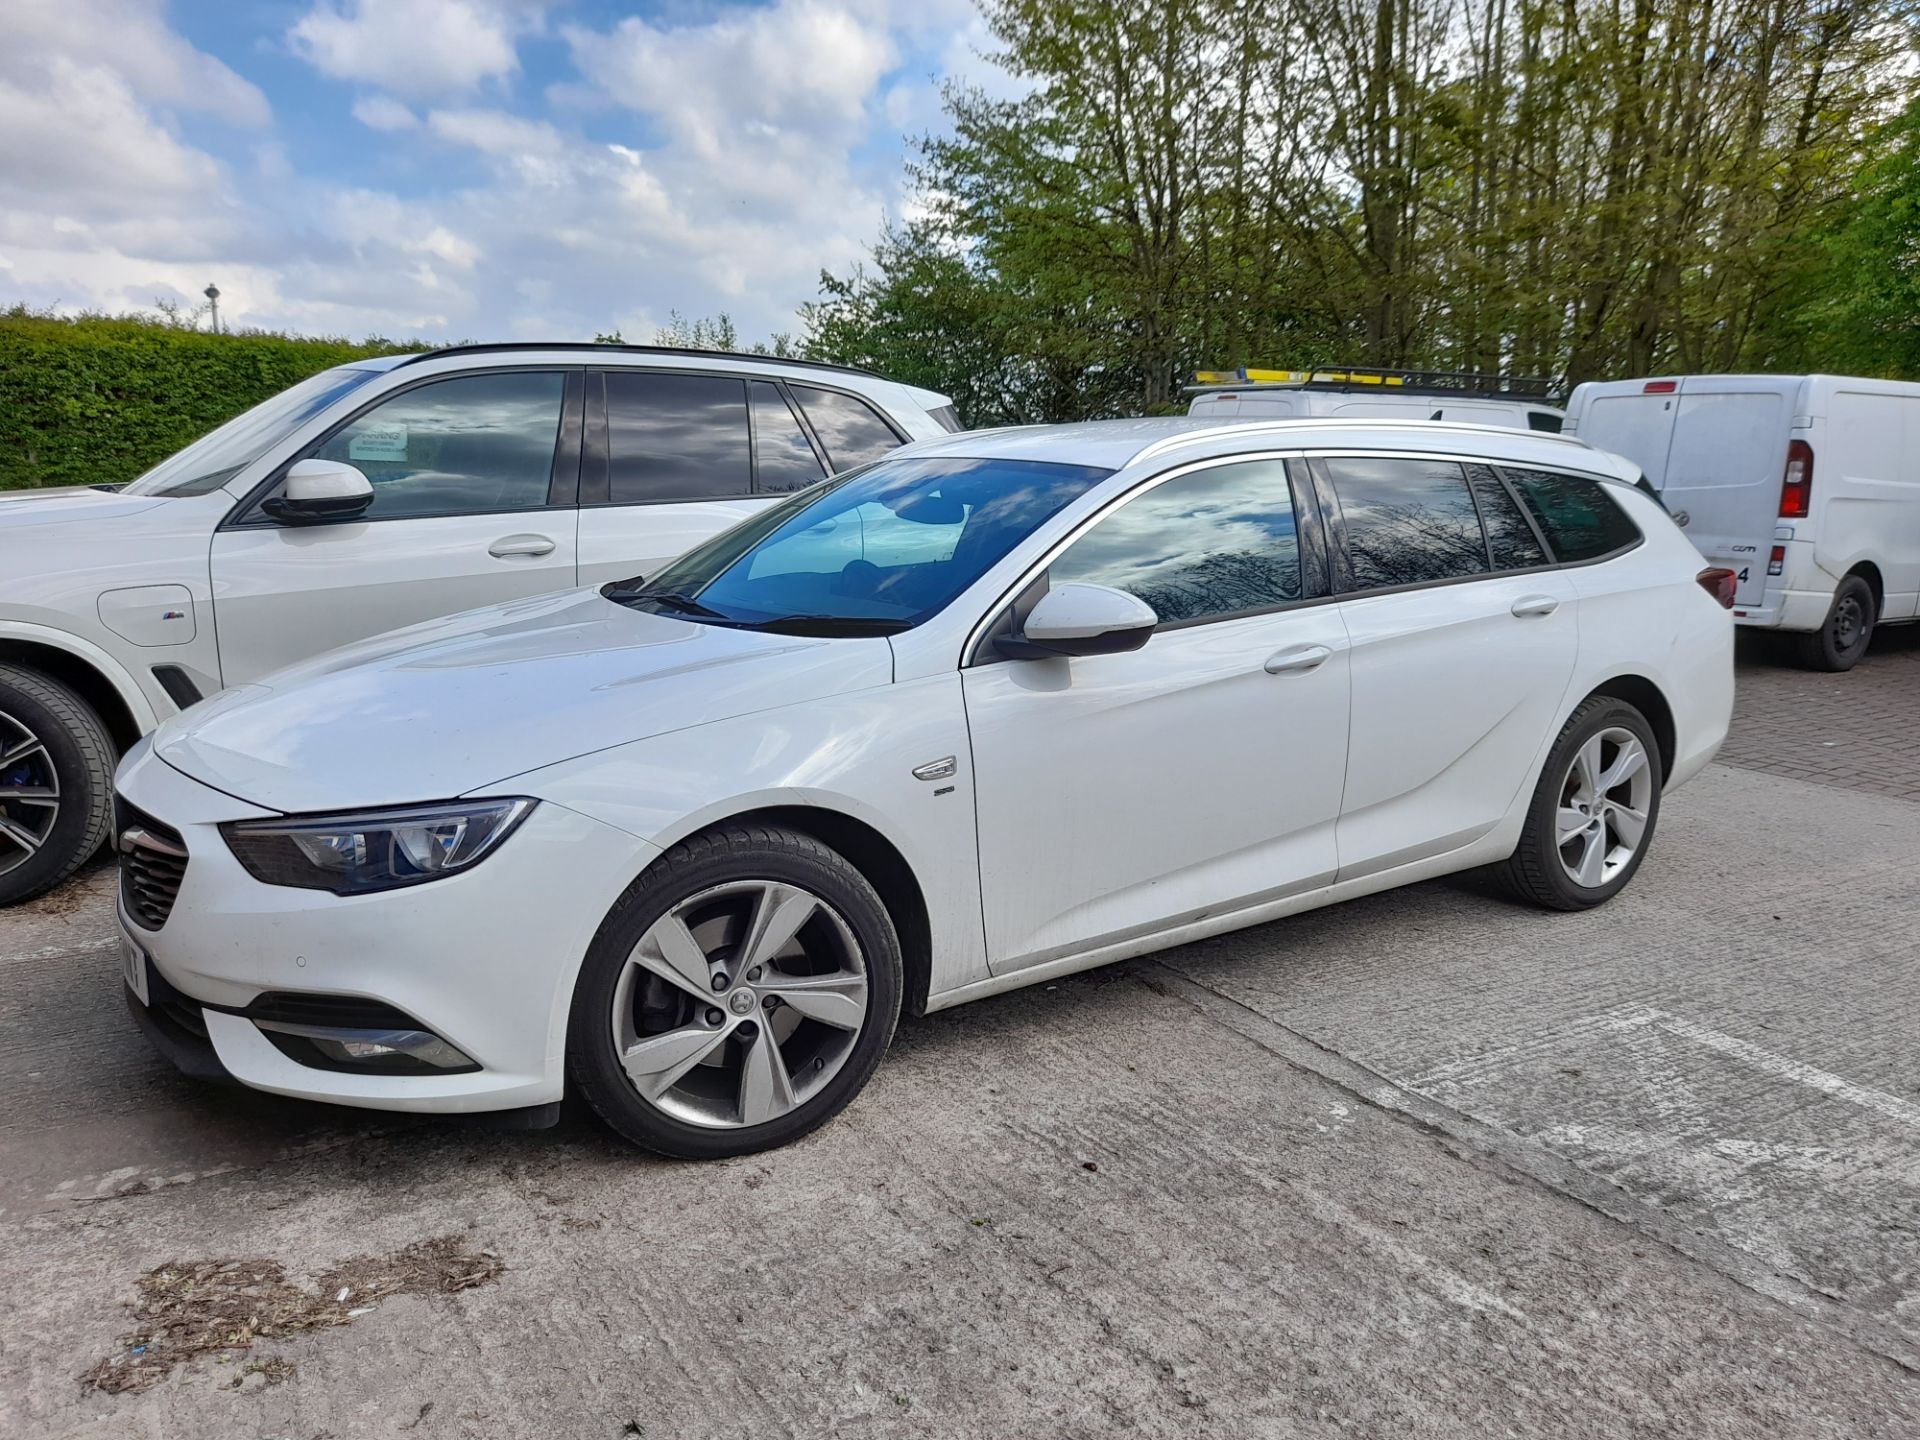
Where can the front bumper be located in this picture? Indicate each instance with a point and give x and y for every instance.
(485, 959)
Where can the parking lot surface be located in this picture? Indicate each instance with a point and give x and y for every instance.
(1425, 1164)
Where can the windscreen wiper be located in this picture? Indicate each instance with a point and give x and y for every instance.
(667, 599)
(828, 625)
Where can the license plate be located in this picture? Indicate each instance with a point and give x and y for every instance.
(133, 967)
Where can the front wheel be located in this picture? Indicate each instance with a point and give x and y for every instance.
(56, 783)
(1593, 812)
(737, 997)
(1844, 635)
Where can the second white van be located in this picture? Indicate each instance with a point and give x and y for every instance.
(1807, 487)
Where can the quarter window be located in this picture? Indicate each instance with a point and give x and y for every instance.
(1580, 519)
(852, 432)
(676, 437)
(1408, 521)
(1510, 539)
(1216, 542)
(783, 458)
(467, 445)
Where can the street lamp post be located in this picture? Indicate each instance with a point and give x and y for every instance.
(212, 292)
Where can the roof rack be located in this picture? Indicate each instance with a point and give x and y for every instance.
(510, 346)
(1463, 384)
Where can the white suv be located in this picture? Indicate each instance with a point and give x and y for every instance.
(369, 497)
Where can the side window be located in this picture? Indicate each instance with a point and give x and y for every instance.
(1409, 521)
(1580, 520)
(676, 437)
(1544, 420)
(1212, 543)
(1510, 539)
(851, 430)
(783, 458)
(466, 445)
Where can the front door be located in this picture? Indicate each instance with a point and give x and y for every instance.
(467, 510)
(1120, 795)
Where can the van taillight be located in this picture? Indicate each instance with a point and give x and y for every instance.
(1720, 584)
(1777, 560)
(1660, 387)
(1796, 486)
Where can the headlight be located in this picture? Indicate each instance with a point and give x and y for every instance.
(371, 850)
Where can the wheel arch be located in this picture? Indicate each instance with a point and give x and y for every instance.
(1646, 697)
(877, 858)
(1870, 572)
(94, 677)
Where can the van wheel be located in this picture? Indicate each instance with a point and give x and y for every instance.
(1843, 637)
(1593, 812)
(56, 783)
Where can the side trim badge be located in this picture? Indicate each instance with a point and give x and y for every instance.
(942, 769)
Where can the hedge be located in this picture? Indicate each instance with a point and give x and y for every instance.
(94, 400)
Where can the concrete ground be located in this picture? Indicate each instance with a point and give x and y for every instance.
(1426, 1164)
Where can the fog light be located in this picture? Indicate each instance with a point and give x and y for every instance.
(384, 1050)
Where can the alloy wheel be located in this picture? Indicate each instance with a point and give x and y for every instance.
(1604, 798)
(29, 793)
(740, 1004)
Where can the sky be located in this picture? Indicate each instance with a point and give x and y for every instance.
(462, 169)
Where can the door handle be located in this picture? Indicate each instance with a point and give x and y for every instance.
(1535, 605)
(520, 545)
(1296, 658)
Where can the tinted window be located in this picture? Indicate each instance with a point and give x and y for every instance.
(783, 459)
(1580, 520)
(473, 443)
(852, 431)
(676, 437)
(1408, 521)
(1509, 537)
(1544, 420)
(870, 552)
(1216, 542)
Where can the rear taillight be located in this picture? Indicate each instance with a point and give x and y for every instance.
(1720, 584)
(1796, 485)
(1777, 560)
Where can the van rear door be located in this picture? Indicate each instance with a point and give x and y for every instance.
(1729, 450)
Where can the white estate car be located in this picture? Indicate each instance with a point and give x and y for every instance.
(999, 707)
(369, 497)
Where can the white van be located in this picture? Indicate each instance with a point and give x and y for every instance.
(1353, 394)
(1807, 487)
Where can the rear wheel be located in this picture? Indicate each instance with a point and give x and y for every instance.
(1844, 635)
(738, 996)
(1593, 812)
(56, 783)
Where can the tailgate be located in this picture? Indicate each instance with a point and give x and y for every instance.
(1723, 468)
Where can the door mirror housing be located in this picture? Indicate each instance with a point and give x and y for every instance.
(1082, 620)
(320, 490)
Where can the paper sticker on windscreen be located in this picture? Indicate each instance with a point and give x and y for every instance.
(379, 442)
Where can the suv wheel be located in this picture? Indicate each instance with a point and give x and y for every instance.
(1844, 635)
(1593, 812)
(56, 783)
(737, 997)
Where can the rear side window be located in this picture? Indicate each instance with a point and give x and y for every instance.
(1579, 518)
(1510, 539)
(1408, 521)
(676, 437)
(1217, 542)
(852, 431)
(1544, 420)
(783, 458)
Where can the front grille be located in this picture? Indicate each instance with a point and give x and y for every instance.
(153, 862)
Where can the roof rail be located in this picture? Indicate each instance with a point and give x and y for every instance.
(1200, 435)
(1462, 384)
(511, 346)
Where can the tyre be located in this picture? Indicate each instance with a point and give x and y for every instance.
(1844, 635)
(56, 783)
(737, 997)
(1593, 813)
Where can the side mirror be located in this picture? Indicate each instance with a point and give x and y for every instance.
(318, 490)
(1082, 620)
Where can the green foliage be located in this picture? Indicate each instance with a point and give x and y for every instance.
(95, 400)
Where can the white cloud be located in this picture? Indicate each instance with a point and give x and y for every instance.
(383, 112)
(130, 39)
(416, 47)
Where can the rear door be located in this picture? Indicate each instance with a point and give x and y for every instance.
(473, 480)
(1463, 637)
(674, 457)
(1724, 468)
